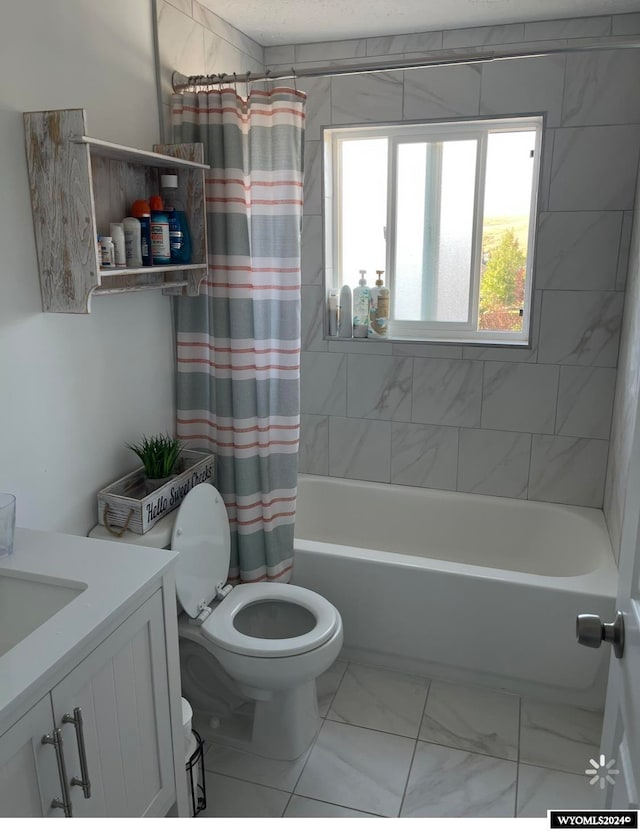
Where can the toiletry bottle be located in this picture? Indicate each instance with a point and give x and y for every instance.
(345, 325)
(132, 241)
(179, 236)
(116, 229)
(379, 314)
(141, 211)
(332, 308)
(107, 252)
(361, 303)
(160, 246)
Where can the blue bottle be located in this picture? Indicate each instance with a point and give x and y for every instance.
(179, 236)
(160, 242)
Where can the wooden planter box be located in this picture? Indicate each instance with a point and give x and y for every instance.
(125, 504)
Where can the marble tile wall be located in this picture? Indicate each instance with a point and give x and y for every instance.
(532, 423)
(195, 41)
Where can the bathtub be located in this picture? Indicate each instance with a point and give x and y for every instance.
(457, 586)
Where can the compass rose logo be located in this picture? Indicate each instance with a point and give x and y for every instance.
(602, 772)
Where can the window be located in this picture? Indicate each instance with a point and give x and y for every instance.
(447, 211)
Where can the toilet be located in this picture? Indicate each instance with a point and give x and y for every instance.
(250, 654)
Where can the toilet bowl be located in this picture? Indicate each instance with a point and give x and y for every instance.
(272, 640)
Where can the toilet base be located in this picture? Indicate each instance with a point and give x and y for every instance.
(285, 725)
(282, 727)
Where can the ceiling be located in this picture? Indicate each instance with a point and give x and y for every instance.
(272, 22)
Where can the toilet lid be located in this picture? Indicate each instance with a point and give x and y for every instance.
(221, 627)
(201, 536)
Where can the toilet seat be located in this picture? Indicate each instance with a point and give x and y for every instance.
(220, 629)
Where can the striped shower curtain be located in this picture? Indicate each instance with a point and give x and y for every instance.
(238, 343)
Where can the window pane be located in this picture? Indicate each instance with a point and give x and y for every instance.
(505, 233)
(434, 230)
(364, 209)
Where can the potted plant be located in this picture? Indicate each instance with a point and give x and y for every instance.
(159, 455)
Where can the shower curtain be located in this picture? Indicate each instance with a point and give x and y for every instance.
(238, 343)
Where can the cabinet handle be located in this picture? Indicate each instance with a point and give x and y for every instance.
(84, 782)
(55, 739)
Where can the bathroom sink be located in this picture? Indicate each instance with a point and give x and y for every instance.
(29, 600)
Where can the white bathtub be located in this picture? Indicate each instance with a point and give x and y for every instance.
(472, 588)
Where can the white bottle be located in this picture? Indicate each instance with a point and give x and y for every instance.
(333, 312)
(116, 230)
(345, 326)
(107, 252)
(379, 311)
(132, 241)
(361, 303)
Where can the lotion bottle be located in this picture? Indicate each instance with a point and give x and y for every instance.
(361, 303)
(345, 326)
(379, 313)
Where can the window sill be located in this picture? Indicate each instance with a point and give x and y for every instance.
(483, 344)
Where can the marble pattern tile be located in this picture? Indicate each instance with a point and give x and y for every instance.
(312, 178)
(227, 797)
(220, 55)
(328, 684)
(494, 462)
(447, 392)
(312, 319)
(558, 736)
(272, 773)
(608, 154)
(534, 85)
(472, 718)
(323, 384)
(578, 250)
(519, 397)
(330, 50)
(311, 264)
(541, 790)
(625, 24)
(180, 45)
(360, 449)
(184, 6)
(580, 327)
(426, 350)
(482, 36)
(623, 252)
(280, 54)
(600, 88)
(318, 110)
(357, 768)
(568, 470)
(578, 27)
(300, 807)
(313, 452)
(379, 387)
(381, 700)
(453, 783)
(225, 30)
(585, 401)
(424, 456)
(442, 92)
(361, 346)
(374, 96)
(401, 44)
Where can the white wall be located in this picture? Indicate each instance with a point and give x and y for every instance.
(74, 388)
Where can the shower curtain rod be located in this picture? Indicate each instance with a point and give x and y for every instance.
(182, 82)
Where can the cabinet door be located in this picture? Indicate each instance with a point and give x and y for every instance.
(122, 691)
(28, 769)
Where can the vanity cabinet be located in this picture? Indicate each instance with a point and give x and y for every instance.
(122, 751)
(79, 185)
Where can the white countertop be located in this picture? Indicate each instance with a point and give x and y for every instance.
(115, 575)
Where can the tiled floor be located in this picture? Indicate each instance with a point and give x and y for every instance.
(400, 745)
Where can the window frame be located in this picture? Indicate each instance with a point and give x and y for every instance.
(436, 332)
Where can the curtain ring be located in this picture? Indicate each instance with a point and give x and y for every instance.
(267, 79)
(235, 83)
(248, 82)
(220, 78)
(295, 78)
